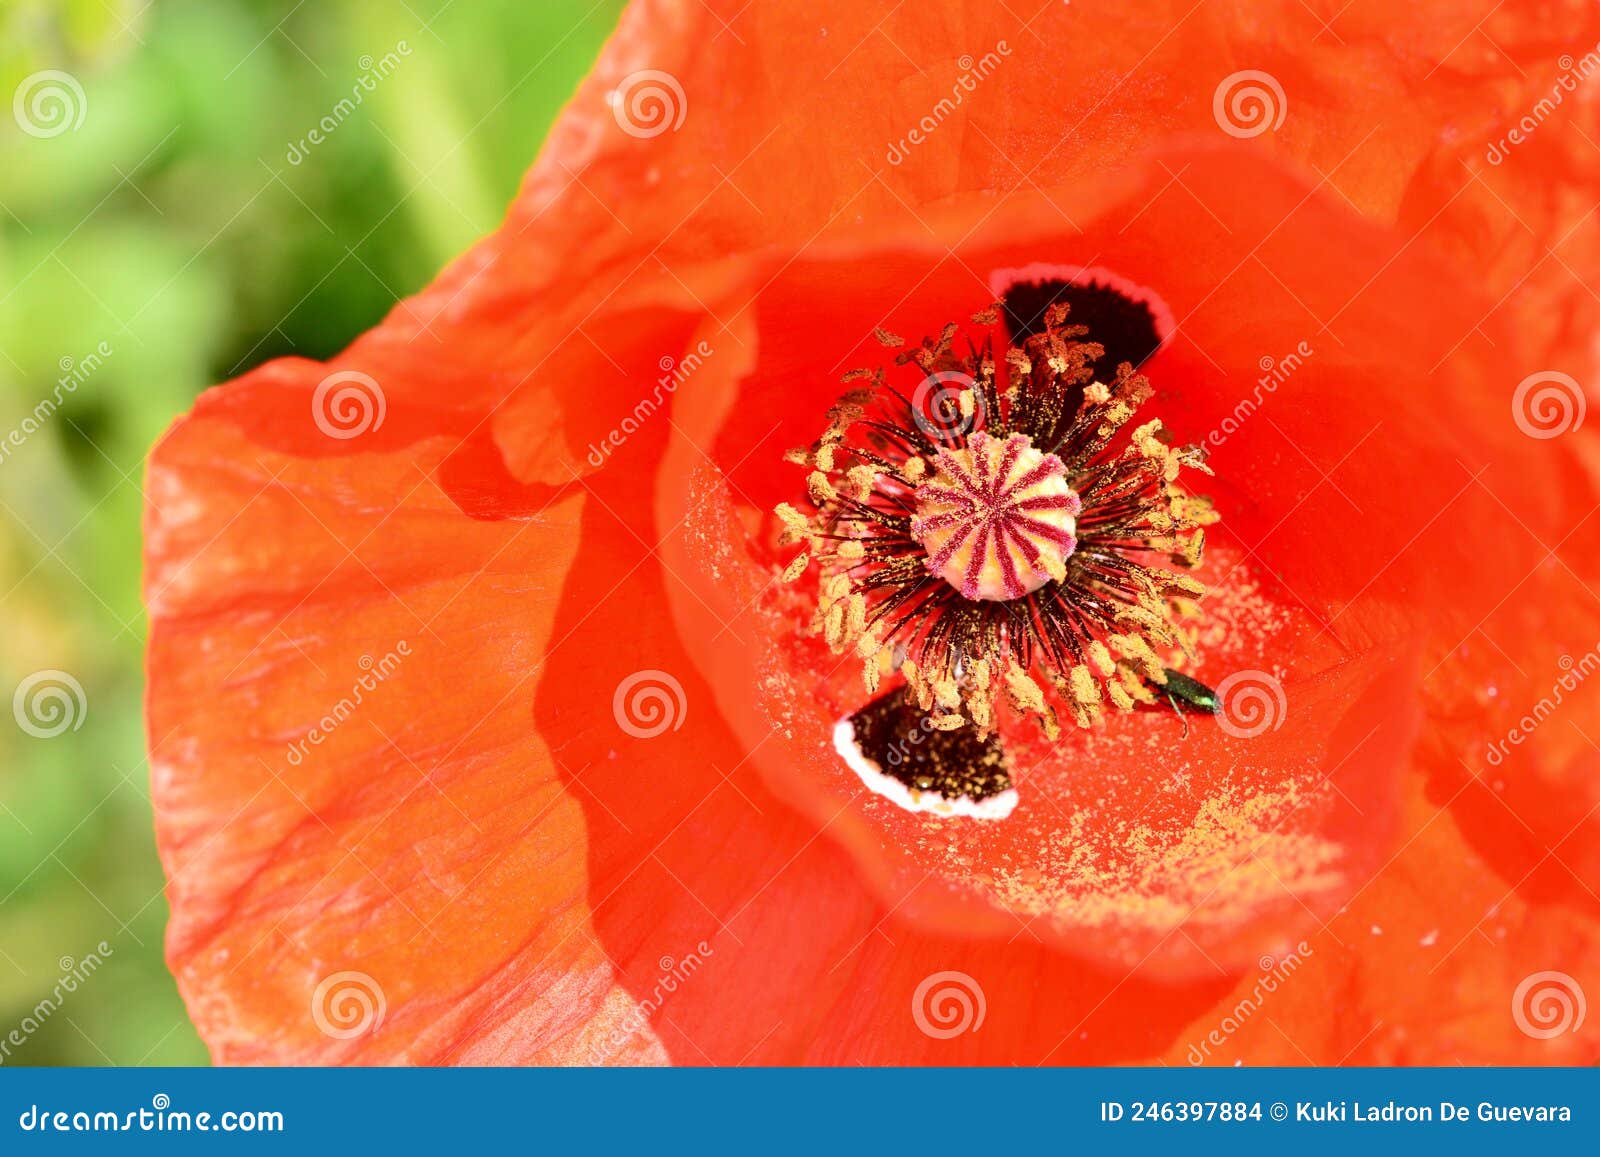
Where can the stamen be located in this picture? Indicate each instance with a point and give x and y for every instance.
(995, 544)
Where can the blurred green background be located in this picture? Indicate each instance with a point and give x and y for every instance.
(159, 211)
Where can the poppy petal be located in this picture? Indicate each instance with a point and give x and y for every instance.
(346, 777)
(1437, 961)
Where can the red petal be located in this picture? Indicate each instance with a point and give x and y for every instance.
(410, 835)
(1428, 965)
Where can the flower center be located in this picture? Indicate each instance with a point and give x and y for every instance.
(998, 520)
(1028, 547)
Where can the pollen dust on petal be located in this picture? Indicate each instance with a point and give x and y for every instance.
(1237, 612)
(1238, 854)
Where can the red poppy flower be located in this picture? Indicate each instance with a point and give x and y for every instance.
(483, 728)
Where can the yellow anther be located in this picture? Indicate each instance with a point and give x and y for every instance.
(820, 489)
(791, 517)
(1025, 693)
(856, 617)
(1084, 688)
(833, 626)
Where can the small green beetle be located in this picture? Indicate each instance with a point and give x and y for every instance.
(1181, 688)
